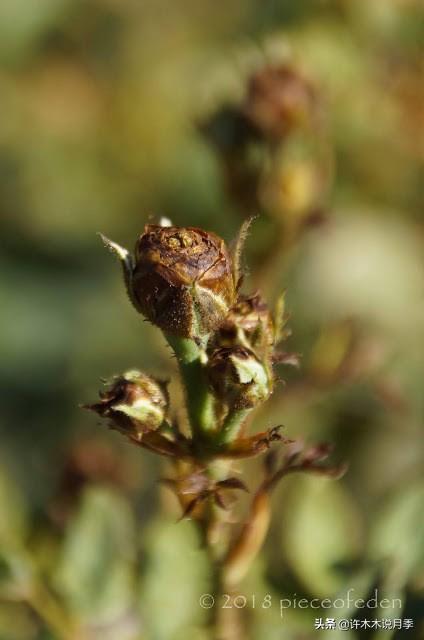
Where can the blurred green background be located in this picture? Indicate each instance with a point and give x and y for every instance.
(100, 105)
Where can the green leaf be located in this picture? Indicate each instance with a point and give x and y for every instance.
(177, 575)
(398, 532)
(95, 572)
(321, 533)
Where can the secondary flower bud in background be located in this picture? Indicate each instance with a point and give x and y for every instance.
(248, 324)
(183, 279)
(238, 377)
(134, 402)
(279, 99)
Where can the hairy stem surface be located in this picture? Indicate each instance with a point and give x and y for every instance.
(200, 402)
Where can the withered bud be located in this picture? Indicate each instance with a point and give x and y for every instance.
(238, 377)
(183, 279)
(279, 99)
(249, 324)
(135, 403)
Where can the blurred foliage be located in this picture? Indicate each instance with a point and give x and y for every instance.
(101, 102)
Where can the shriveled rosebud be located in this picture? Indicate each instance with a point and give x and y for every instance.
(238, 377)
(183, 279)
(134, 402)
(279, 98)
(248, 324)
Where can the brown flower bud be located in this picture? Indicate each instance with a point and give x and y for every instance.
(248, 324)
(238, 377)
(135, 402)
(279, 98)
(183, 279)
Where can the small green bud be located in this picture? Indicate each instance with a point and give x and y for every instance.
(238, 377)
(134, 402)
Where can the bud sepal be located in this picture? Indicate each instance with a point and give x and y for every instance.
(238, 377)
(135, 403)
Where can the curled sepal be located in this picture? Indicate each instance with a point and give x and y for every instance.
(195, 488)
(306, 460)
(280, 319)
(135, 403)
(127, 264)
(191, 506)
(237, 250)
(161, 445)
(252, 446)
(251, 537)
(238, 377)
(232, 483)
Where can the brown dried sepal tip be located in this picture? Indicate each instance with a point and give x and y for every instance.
(298, 459)
(251, 537)
(279, 99)
(183, 279)
(134, 403)
(248, 324)
(252, 446)
(196, 488)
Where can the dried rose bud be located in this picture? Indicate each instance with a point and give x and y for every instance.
(279, 99)
(183, 279)
(238, 377)
(134, 402)
(240, 150)
(248, 324)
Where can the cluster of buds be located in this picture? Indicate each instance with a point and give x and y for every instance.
(278, 99)
(273, 148)
(186, 282)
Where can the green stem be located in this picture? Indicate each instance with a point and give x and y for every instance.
(232, 425)
(200, 402)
